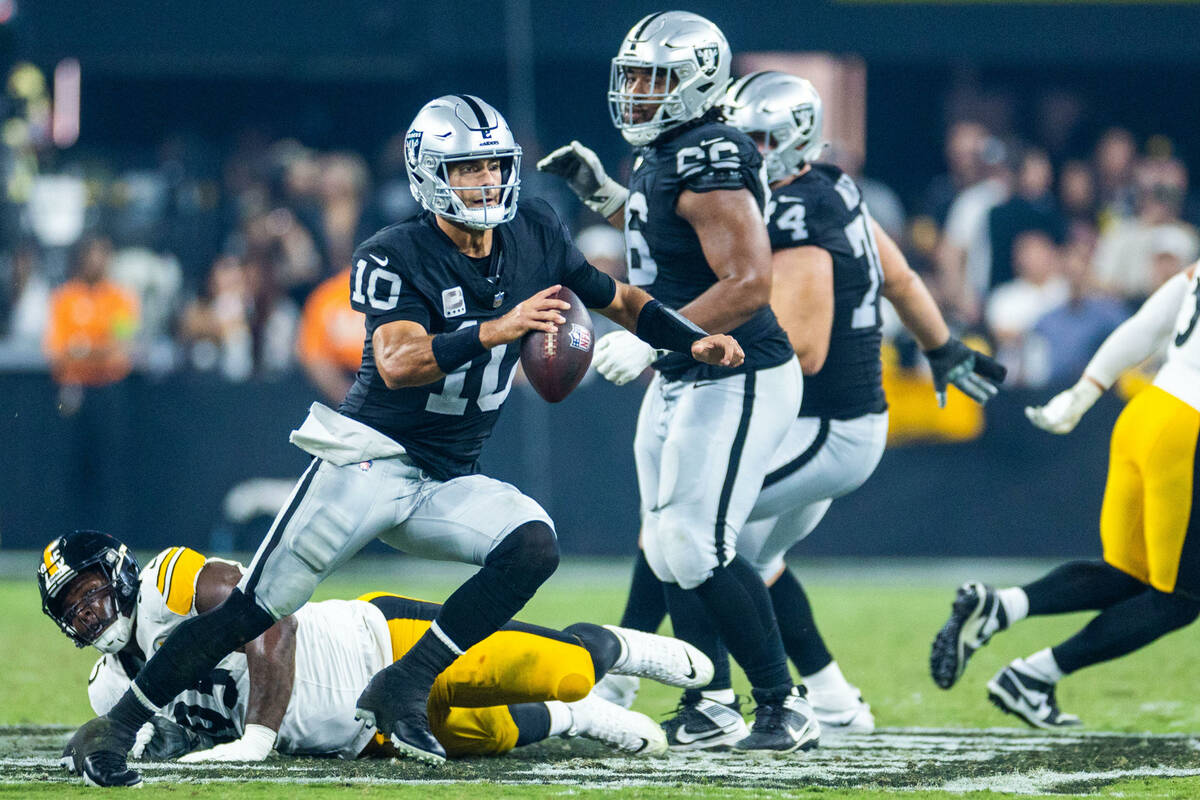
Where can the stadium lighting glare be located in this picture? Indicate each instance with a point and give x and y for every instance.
(64, 129)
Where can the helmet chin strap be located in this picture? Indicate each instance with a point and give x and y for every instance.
(115, 636)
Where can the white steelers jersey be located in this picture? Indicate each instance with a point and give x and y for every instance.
(1180, 373)
(340, 644)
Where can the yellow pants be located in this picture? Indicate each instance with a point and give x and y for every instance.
(468, 706)
(1146, 523)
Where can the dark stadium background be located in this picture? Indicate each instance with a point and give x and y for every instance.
(350, 74)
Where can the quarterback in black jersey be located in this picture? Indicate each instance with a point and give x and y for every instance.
(447, 296)
(695, 238)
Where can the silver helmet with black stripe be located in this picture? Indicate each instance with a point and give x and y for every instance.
(672, 67)
(783, 113)
(458, 128)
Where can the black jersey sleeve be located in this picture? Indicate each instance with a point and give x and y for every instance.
(379, 289)
(718, 157)
(594, 288)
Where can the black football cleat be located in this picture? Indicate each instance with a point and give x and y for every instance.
(702, 724)
(783, 723)
(1018, 691)
(401, 716)
(975, 617)
(97, 753)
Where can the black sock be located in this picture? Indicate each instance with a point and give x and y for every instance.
(646, 606)
(797, 628)
(511, 574)
(191, 651)
(1125, 627)
(737, 602)
(532, 721)
(690, 621)
(602, 645)
(1080, 586)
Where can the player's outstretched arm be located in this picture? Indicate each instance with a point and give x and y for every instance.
(1134, 340)
(802, 299)
(407, 355)
(974, 373)
(734, 239)
(270, 662)
(580, 167)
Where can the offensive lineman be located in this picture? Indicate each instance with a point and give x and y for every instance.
(695, 238)
(293, 688)
(447, 295)
(1148, 583)
(831, 262)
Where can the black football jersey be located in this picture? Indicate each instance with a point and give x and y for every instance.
(663, 251)
(412, 271)
(823, 208)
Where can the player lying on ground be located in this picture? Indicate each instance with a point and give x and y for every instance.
(831, 263)
(448, 295)
(293, 688)
(1148, 583)
(693, 221)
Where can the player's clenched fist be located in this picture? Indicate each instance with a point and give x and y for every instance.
(538, 313)
(719, 349)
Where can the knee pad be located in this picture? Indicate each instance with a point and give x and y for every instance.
(528, 556)
(689, 558)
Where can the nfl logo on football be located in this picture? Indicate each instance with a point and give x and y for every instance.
(581, 337)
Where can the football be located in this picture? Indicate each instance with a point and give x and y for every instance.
(556, 363)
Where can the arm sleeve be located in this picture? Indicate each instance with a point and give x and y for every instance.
(1138, 337)
(380, 289)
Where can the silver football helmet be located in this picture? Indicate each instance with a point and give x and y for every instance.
(461, 127)
(785, 111)
(672, 67)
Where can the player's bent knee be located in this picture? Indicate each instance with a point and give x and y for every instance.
(1176, 609)
(574, 686)
(690, 560)
(528, 556)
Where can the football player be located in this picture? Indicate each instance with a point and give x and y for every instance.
(447, 296)
(831, 263)
(1148, 583)
(293, 689)
(693, 221)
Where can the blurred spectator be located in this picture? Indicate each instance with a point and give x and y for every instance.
(1066, 337)
(24, 305)
(214, 330)
(884, 204)
(157, 281)
(92, 320)
(1077, 194)
(965, 253)
(1114, 159)
(1124, 263)
(1014, 307)
(329, 341)
(964, 145)
(1171, 249)
(344, 223)
(1031, 207)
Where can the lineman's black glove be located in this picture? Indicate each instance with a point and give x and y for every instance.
(974, 373)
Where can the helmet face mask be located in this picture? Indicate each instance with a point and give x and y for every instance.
(452, 130)
(672, 67)
(783, 114)
(89, 587)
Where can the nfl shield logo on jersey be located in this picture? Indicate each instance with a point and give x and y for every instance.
(453, 302)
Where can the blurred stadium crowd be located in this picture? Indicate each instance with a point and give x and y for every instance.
(231, 260)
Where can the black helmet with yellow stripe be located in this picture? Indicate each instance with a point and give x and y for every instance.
(99, 611)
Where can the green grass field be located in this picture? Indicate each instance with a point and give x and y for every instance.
(878, 619)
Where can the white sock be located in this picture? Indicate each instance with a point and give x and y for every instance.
(1015, 603)
(1043, 666)
(829, 682)
(560, 717)
(725, 696)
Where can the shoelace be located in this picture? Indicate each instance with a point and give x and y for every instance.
(768, 716)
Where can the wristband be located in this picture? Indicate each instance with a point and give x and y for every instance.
(666, 329)
(452, 350)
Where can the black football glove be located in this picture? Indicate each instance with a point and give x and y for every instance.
(975, 374)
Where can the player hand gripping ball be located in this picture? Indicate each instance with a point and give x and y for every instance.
(1065, 409)
(975, 374)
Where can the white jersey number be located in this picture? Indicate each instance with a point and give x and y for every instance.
(642, 269)
(862, 240)
(452, 401)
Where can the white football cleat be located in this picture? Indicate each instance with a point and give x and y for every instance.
(660, 658)
(619, 689)
(623, 730)
(842, 714)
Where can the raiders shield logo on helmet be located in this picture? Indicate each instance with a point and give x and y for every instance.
(707, 58)
(412, 146)
(804, 117)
